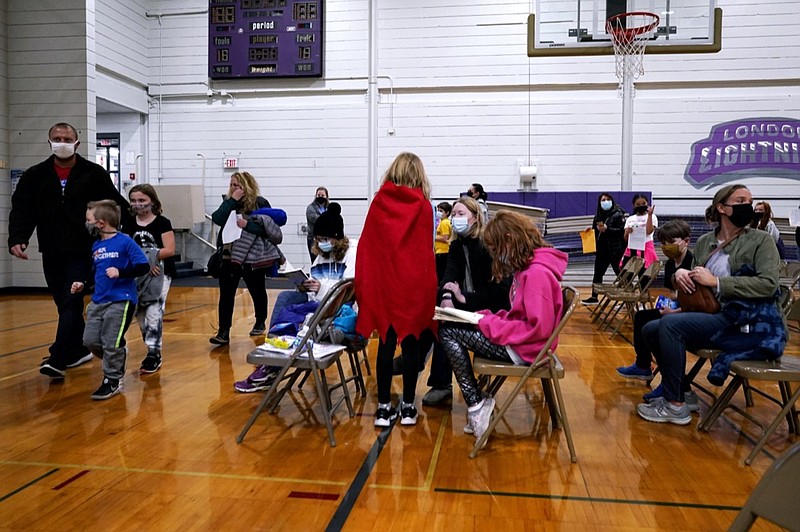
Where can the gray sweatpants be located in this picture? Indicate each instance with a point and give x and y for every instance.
(104, 334)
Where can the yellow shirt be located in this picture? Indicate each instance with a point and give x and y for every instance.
(443, 229)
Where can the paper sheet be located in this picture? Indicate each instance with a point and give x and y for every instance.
(794, 217)
(231, 231)
(588, 241)
(637, 238)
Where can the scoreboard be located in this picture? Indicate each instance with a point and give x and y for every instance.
(264, 38)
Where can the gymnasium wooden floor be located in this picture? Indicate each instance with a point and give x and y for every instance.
(163, 456)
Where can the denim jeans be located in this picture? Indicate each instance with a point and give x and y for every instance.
(669, 337)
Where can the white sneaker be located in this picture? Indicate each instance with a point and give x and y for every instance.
(479, 419)
(661, 411)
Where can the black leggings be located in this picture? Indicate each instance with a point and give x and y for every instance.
(457, 341)
(409, 346)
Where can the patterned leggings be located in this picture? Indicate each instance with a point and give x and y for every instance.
(457, 341)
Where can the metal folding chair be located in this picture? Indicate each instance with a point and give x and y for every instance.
(546, 367)
(303, 360)
(775, 496)
(627, 276)
(784, 371)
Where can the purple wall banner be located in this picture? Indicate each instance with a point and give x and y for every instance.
(748, 147)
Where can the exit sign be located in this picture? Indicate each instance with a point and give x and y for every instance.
(230, 162)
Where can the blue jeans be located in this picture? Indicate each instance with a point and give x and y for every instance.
(669, 337)
(284, 299)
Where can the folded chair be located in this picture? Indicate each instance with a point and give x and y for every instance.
(630, 299)
(775, 497)
(302, 360)
(627, 276)
(546, 367)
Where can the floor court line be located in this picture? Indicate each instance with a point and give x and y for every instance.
(27, 485)
(231, 476)
(606, 500)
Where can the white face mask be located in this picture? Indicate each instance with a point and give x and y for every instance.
(63, 150)
(460, 225)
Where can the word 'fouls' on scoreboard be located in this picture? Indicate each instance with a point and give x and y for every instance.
(264, 38)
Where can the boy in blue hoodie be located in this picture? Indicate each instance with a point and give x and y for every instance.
(117, 261)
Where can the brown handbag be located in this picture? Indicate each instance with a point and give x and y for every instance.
(703, 298)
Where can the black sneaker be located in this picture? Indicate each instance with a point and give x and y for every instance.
(385, 416)
(109, 388)
(51, 371)
(151, 363)
(408, 415)
(85, 359)
(223, 337)
(258, 329)
(590, 301)
(438, 396)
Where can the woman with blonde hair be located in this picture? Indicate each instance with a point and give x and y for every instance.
(396, 279)
(467, 284)
(247, 258)
(515, 335)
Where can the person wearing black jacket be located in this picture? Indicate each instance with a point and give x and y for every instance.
(467, 284)
(51, 197)
(609, 231)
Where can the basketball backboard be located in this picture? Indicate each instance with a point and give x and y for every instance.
(578, 27)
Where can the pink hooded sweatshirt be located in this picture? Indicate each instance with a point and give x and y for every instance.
(536, 306)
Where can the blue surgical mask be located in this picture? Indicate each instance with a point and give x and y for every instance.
(441, 215)
(460, 225)
(606, 205)
(325, 247)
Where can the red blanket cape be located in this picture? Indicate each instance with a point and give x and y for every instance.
(395, 267)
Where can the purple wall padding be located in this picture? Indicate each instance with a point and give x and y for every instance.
(563, 204)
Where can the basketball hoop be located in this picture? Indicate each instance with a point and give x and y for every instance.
(630, 33)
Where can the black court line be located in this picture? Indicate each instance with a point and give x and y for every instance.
(24, 350)
(354, 491)
(29, 484)
(28, 325)
(590, 499)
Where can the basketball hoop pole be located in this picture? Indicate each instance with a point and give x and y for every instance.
(626, 163)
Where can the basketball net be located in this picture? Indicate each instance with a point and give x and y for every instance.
(630, 33)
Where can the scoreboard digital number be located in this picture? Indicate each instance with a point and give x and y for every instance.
(264, 38)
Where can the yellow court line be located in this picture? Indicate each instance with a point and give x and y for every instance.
(437, 447)
(168, 472)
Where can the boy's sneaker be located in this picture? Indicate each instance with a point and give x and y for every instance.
(151, 363)
(408, 414)
(480, 418)
(109, 388)
(385, 415)
(692, 402)
(657, 392)
(85, 359)
(51, 371)
(660, 410)
(590, 301)
(223, 337)
(258, 329)
(635, 372)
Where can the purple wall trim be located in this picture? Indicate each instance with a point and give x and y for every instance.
(563, 204)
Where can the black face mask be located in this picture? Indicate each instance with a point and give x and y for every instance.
(757, 216)
(641, 209)
(321, 200)
(741, 214)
